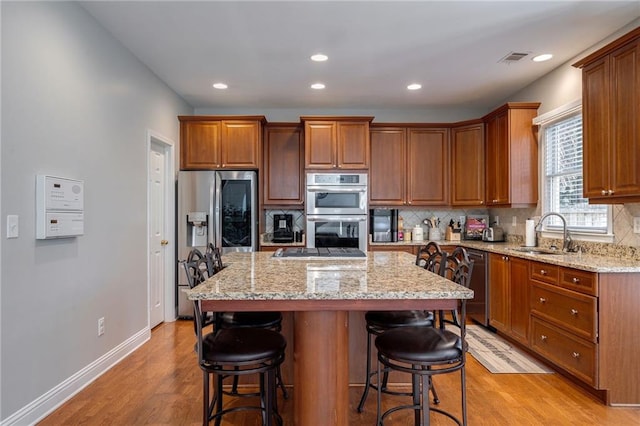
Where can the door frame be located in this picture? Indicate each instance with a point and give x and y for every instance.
(168, 146)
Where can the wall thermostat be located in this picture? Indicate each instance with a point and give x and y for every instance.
(59, 207)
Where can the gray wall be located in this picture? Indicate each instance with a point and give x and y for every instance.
(75, 103)
(559, 87)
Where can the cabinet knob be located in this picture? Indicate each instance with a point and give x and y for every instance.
(610, 192)
(575, 354)
(574, 312)
(543, 300)
(164, 242)
(481, 202)
(575, 280)
(543, 337)
(604, 192)
(543, 272)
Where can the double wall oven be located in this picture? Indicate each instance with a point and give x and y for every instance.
(337, 210)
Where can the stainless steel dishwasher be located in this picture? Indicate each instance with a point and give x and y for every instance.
(478, 308)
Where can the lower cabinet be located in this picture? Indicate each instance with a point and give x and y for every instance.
(509, 293)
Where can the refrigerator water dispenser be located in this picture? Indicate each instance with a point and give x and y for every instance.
(197, 229)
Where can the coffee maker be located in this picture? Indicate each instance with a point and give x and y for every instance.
(384, 225)
(282, 228)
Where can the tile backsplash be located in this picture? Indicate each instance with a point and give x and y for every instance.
(626, 242)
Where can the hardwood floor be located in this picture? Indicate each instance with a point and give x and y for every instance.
(160, 384)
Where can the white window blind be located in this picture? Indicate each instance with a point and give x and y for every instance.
(563, 178)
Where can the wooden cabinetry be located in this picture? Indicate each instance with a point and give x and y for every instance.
(611, 117)
(509, 292)
(336, 142)
(387, 180)
(283, 172)
(212, 142)
(565, 322)
(467, 165)
(511, 156)
(409, 166)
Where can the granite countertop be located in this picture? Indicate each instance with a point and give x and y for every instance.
(582, 261)
(381, 275)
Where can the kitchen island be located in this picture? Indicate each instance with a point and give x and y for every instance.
(321, 292)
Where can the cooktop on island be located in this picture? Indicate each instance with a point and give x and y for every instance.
(319, 252)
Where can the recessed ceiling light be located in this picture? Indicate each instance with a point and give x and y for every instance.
(414, 86)
(317, 86)
(319, 57)
(219, 86)
(542, 58)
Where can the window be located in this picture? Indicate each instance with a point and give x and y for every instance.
(562, 175)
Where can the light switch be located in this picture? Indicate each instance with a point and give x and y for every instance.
(12, 226)
(636, 224)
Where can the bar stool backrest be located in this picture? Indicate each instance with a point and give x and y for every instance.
(432, 258)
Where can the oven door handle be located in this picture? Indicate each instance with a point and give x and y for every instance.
(334, 189)
(334, 218)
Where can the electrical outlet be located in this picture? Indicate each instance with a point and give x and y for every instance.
(514, 221)
(100, 326)
(636, 225)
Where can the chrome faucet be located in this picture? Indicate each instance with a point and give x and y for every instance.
(567, 241)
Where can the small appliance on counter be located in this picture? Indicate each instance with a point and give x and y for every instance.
(384, 225)
(493, 234)
(282, 228)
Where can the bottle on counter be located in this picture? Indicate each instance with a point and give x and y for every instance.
(400, 229)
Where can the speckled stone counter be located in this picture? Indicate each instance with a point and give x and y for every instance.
(321, 293)
(585, 262)
(379, 276)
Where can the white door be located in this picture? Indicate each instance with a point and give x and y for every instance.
(158, 241)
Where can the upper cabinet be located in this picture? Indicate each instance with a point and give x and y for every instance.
(511, 156)
(409, 166)
(283, 179)
(213, 142)
(336, 142)
(611, 121)
(467, 165)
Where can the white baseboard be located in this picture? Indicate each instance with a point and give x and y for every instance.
(41, 407)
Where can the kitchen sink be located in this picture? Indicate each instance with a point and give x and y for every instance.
(537, 250)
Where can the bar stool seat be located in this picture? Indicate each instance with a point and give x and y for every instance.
(237, 352)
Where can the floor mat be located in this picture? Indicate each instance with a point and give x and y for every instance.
(499, 356)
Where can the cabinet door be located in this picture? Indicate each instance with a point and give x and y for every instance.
(240, 144)
(387, 169)
(467, 165)
(353, 145)
(428, 167)
(320, 144)
(499, 296)
(595, 129)
(519, 283)
(283, 166)
(625, 121)
(199, 145)
(497, 172)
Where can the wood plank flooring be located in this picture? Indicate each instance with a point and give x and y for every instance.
(160, 384)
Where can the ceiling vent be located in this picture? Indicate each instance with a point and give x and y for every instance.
(513, 57)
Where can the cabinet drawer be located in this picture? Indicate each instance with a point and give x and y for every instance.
(573, 311)
(544, 272)
(569, 352)
(586, 282)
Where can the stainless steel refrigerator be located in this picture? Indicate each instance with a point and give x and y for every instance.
(218, 207)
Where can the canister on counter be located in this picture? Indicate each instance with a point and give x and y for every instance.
(407, 235)
(418, 233)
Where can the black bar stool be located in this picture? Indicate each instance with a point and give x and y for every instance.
(238, 352)
(432, 258)
(425, 352)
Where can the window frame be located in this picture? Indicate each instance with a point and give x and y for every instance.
(550, 231)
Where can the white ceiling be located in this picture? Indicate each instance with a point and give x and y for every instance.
(261, 49)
